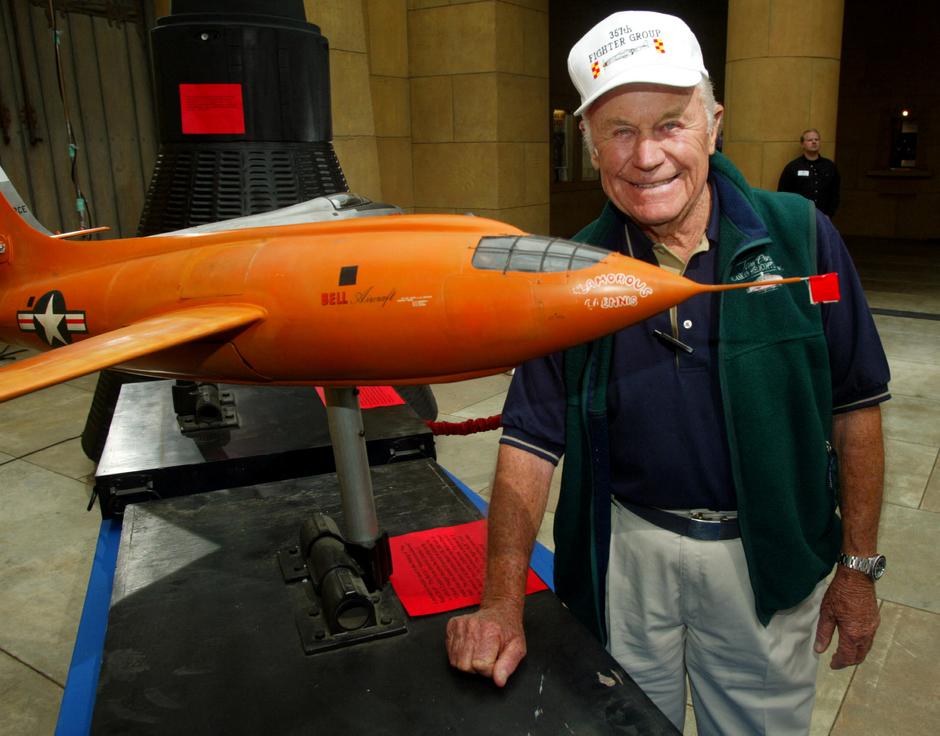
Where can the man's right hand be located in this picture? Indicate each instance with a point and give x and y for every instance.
(489, 642)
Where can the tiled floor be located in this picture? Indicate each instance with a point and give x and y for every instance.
(48, 538)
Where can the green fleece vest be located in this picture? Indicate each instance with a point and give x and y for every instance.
(776, 392)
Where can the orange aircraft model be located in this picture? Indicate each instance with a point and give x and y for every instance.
(347, 300)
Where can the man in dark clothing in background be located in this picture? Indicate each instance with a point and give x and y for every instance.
(812, 176)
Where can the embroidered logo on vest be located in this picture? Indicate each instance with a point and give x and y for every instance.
(760, 267)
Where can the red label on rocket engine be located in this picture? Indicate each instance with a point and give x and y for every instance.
(211, 109)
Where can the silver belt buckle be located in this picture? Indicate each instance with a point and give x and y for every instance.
(709, 517)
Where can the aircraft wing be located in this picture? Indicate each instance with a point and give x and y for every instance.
(126, 343)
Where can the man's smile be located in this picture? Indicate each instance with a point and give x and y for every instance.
(654, 184)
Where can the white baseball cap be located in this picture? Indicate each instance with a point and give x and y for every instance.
(634, 46)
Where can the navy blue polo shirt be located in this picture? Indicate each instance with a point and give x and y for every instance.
(667, 432)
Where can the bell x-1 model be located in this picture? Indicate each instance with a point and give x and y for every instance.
(348, 299)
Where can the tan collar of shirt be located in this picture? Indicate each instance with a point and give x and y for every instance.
(673, 263)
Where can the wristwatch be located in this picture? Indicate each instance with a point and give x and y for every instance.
(873, 567)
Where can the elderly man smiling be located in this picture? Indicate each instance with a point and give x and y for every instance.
(719, 458)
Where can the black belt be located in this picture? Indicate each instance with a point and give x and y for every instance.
(705, 529)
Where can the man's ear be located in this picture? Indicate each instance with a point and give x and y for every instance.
(716, 128)
(595, 162)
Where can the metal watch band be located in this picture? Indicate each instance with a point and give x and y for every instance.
(865, 565)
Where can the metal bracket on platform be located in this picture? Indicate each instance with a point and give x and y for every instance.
(343, 603)
(204, 413)
(131, 488)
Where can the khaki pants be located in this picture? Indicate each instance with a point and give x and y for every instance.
(678, 606)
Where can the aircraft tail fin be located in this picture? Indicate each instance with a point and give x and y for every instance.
(17, 204)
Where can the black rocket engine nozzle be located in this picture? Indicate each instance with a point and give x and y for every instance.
(242, 91)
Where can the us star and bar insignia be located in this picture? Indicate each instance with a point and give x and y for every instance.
(52, 320)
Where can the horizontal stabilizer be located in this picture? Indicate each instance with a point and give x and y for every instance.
(126, 343)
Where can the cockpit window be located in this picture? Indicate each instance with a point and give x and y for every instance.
(534, 254)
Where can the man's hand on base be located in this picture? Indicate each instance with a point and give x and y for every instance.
(489, 642)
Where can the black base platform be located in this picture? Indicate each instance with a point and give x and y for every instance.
(282, 433)
(201, 636)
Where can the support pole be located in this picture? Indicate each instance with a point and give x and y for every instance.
(352, 465)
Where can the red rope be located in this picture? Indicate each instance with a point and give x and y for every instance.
(471, 426)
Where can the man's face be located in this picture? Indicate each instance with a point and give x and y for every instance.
(810, 143)
(651, 146)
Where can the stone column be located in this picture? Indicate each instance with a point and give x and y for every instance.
(387, 21)
(479, 109)
(781, 77)
(343, 22)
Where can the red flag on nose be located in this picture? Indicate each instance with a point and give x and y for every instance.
(824, 288)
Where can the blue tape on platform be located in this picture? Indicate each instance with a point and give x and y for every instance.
(78, 700)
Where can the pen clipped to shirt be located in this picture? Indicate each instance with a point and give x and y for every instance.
(671, 342)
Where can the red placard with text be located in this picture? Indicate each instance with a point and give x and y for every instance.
(372, 396)
(211, 109)
(441, 569)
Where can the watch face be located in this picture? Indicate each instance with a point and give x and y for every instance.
(878, 567)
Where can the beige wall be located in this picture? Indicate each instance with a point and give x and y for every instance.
(389, 83)
(781, 77)
(442, 106)
(479, 107)
(343, 24)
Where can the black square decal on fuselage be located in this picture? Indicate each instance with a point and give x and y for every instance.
(347, 275)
